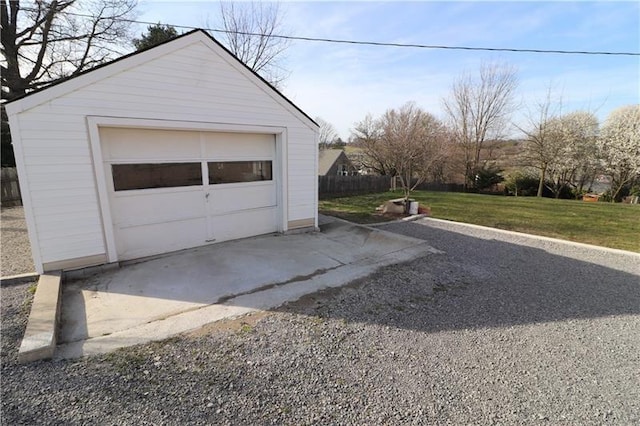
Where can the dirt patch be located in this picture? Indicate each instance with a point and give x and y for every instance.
(236, 325)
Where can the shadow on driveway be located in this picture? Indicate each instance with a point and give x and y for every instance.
(482, 283)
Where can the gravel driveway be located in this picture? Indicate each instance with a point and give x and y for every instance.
(15, 250)
(490, 332)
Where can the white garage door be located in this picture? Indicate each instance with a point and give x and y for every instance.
(170, 190)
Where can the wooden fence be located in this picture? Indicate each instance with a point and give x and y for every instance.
(331, 186)
(343, 185)
(10, 187)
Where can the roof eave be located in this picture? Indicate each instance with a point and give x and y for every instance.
(45, 94)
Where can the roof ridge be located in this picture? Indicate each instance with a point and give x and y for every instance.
(129, 55)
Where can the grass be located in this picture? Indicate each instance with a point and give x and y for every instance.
(245, 328)
(603, 224)
(32, 288)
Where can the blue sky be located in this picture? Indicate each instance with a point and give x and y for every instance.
(342, 83)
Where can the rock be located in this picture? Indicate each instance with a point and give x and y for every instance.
(393, 206)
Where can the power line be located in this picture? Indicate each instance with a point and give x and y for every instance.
(376, 43)
(428, 46)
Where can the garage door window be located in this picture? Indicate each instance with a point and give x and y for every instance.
(239, 171)
(160, 175)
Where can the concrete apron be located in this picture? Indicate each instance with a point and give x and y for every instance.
(158, 298)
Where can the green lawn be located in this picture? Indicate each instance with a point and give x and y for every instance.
(604, 224)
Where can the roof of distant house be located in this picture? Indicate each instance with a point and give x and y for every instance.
(326, 159)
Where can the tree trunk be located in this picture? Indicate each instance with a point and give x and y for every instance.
(615, 194)
(541, 183)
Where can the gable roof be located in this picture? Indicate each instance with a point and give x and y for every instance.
(327, 158)
(84, 78)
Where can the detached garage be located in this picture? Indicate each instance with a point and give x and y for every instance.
(174, 147)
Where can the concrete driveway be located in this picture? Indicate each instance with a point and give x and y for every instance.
(157, 298)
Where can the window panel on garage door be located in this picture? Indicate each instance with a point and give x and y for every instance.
(239, 171)
(155, 175)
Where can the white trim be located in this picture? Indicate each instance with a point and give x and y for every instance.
(95, 122)
(101, 187)
(315, 174)
(213, 159)
(23, 177)
(282, 167)
(162, 124)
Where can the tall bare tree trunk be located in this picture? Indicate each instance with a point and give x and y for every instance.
(479, 109)
(543, 175)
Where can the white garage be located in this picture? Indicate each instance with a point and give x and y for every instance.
(174, 147)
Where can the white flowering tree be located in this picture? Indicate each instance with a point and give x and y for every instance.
(576, 162)
(562, 147)
(619, 147)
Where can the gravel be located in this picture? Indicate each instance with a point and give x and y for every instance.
(16, 249)
(16, 303)
(488, 333)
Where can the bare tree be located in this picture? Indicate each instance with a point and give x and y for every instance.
(479, 110)
(414, 141)
(406, 142)
(44, 42)
(249, 30)
(327, 134)
(366, 135)
(542, 138)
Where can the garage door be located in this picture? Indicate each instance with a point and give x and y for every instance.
(169, 190)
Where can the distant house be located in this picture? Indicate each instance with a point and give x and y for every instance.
(334, 162)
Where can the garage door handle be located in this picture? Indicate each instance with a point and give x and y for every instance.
(207, 196)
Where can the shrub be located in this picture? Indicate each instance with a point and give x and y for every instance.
(488, 176)
(522, 184)
(624, 192)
